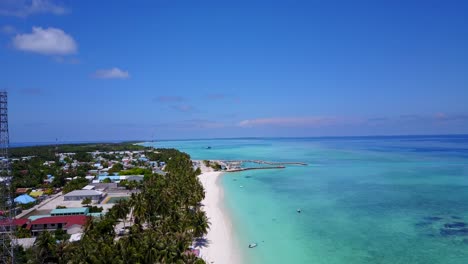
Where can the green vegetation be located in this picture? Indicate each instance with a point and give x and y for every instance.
(22, 233)
(163, 155)
(107, 180)
(75, 184)
(48, 152)
(83, 157)
(95, 209)
(31, 173)
(86, 201)
(116, 168)
(130, 185)
(136, 171)
(27, 206)
(215, 165)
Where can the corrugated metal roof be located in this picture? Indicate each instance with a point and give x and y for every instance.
(83, 193)
(78, 210)
(66, 220)
(35, 217)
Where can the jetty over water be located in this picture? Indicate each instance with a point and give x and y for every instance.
(236, 165)
(274, 163)
(255, 168)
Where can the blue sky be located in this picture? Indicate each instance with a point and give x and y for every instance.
(116, 70)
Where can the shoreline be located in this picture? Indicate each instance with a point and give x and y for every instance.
(220, 246)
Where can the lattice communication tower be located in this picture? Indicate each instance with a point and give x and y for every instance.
(6, 202)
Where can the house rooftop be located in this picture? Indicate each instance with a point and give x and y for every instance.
(83, 193)
(35, 217)
(36, 193)
(67, 220)
(70, 211)
(22, 190)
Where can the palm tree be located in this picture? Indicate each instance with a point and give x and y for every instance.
(138, 204)
(122, 209)
(45, 247)
(201, 224)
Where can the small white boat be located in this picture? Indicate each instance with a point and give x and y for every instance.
(241, 186)
(299, 210)
(253, 245)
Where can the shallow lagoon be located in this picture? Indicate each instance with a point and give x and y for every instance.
(363, 200)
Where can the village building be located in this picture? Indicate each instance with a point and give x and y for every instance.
(79, 195)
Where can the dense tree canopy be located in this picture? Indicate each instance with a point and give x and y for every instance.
(48, 152)
(75, 184)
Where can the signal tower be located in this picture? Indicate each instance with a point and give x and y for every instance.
(6, 201)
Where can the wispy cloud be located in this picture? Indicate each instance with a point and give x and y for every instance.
(413, 119)
(169, 99)
(113, 73)
(49, 41)
(288, 121)
(7, 29)
(202, 124)
(24, 8)
(450, 117)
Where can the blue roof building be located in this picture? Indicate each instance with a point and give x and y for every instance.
(24, 199)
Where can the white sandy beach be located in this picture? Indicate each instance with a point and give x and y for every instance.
(220, 247)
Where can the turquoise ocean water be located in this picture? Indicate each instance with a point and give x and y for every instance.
(364, 200)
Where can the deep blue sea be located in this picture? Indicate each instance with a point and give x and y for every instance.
(364, 200)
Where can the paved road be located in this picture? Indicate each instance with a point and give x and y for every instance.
(36, 207)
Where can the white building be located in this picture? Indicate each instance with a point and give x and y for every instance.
(79, 195)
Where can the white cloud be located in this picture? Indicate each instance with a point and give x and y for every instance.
(24, 8)
(50, 41)
(114, 73)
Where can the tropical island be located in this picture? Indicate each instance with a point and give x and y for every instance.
(106, 203)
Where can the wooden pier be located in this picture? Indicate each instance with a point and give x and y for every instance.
(274, 163)
(255, 168)
(236, 165)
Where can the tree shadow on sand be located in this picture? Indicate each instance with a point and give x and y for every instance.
(201, 242)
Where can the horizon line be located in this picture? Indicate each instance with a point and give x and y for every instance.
(227, 138)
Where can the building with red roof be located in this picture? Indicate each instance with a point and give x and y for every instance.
(52, 223)
(72, 224)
